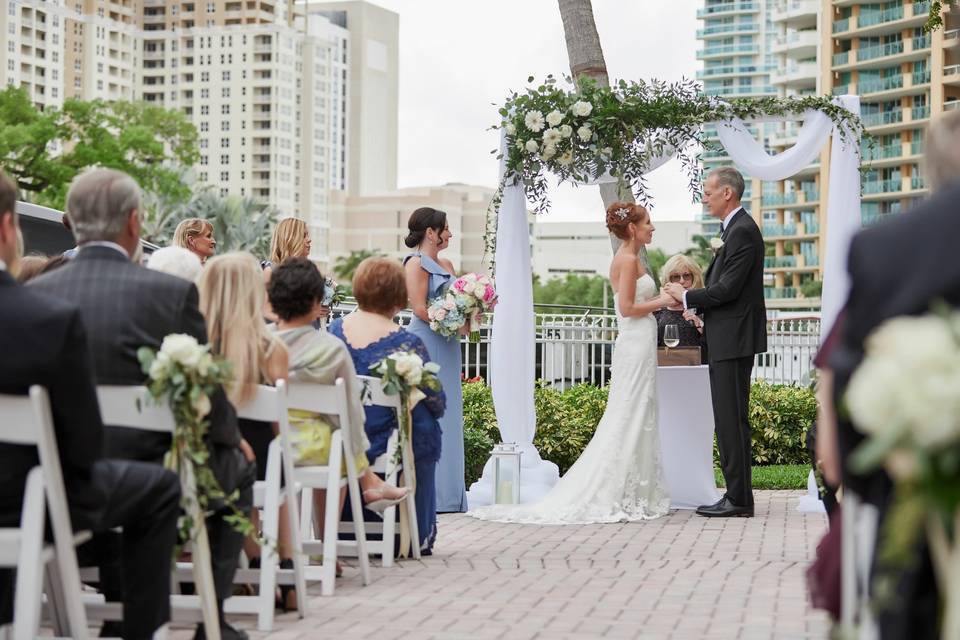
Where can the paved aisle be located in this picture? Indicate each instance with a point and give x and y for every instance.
(681, 576)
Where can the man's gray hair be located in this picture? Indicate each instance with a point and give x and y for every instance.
(730, 177)
(99, 203)
(941, 161)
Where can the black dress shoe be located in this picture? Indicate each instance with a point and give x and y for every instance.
(725, 509)
(226, 633)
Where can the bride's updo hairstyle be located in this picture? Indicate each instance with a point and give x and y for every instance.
(422, 219)
(620, 214)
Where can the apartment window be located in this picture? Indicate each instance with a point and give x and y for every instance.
(12, 9)
(55, 56)
(224, 193)
(99, 85)
(225, 92)
(226, 74)
(76, 64)
(76, 82)
(225, 109)
(55, 74)
(211, 7)
(243, 73)
(224, 143)
(225, 125)
(99, 67)
(10, 46)
(204, 76)
(204, 94)
(204, 109)
(204, 143)
(204, 126)
(204, 160)
(225, 176)
(203, 176)
(225, 159)
(10, 65)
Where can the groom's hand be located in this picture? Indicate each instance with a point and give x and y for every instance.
(674, 290)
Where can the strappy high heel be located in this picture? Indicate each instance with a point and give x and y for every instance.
(376, 501)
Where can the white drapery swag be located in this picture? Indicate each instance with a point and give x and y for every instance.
(513, 345)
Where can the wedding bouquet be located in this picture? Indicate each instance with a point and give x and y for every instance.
(333, 293)
(904, 397)
(185, 374)
(404, 373)
(463, 304)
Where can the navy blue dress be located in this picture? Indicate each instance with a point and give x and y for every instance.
(381, 421)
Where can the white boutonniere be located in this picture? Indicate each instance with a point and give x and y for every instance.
(716, 244)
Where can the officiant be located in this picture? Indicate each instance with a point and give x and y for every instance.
(685, 271)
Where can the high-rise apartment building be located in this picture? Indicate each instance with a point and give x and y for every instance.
(267, 84)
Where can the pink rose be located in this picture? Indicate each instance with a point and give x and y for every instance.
(449, 305)
(458, 284)
(440, 314)
(489, 294)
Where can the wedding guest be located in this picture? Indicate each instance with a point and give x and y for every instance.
(428, 276)
(176, 261)
(296, 292)
(44, 342)
(124, 307)
(196, 235)
(291, 238)
(880, 289)
(370, 334)
(682, 269)
(30, 267)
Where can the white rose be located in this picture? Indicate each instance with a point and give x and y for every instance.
(548, 152)
(532, 146)
(202, 405)
(432, 367)
(716, 243)
(468, 287)
(404, 365)
(439, 314)
(534, 121)
(566, 158)
(205, 364)
(479, 292)
(414, 377)
(584, 133)
(566, 130)
(160, 366)
(581, 108)
(511, 129)
(554, 118)
(449, 305)
(181, 348)
(551, 137)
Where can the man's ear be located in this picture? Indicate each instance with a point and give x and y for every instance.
(134, 223)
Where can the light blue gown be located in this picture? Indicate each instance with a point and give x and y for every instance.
(451, 493)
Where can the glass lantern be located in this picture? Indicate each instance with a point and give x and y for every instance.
(506, 473)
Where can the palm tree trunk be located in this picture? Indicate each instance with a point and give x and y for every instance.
(586, 59)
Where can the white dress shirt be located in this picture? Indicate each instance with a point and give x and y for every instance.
(104, 243)
(3, 265)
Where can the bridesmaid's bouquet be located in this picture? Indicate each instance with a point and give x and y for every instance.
(463, 304)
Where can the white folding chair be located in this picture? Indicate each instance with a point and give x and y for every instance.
(269, 405)
(328, 399)
(133, 407)
(391, 472)
(27, 420)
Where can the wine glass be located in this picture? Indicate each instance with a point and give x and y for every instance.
(671, 336)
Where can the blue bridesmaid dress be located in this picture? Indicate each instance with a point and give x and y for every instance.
(451, 492)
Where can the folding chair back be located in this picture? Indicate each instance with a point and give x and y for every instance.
(28, 420)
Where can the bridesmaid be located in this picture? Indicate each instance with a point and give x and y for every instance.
(428, 276)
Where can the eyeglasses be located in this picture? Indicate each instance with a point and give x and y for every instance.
(677, 277)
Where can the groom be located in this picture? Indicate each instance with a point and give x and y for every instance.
(735, 328)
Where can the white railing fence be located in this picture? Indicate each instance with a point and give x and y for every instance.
(576, 348)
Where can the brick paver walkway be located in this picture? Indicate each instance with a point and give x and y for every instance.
(681, 576)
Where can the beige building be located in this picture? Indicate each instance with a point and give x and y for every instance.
(379, 222)
(268, 85)
(371, 126)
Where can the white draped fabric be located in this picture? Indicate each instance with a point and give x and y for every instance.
(512, 352)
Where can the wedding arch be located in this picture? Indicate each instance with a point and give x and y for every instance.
(590, 134)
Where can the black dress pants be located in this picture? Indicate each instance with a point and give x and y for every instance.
(730, 392)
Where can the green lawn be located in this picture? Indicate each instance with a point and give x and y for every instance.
(781, 476)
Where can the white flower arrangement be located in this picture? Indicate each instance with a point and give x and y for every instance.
(552, 136)
(404, 373)
(581, 108)
(532, 146)
(716, 243)
(585, 133)
(566, 130)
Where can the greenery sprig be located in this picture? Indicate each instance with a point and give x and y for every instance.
(580, 133)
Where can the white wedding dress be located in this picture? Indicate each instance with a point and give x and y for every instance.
(619, 476)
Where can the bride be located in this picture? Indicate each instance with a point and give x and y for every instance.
(618, 477)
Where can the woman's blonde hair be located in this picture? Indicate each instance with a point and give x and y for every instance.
(288, 240)
(231, 300)
(190, 228)
(678, 262)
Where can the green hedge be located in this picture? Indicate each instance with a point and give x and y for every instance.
(780, 416)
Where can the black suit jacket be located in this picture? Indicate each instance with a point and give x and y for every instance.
(734, 314)
(896, 268)
(125, 307)
(43, 342)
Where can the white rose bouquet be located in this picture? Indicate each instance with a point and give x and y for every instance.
(185, 374)
(906, 397)
(404, 373)
(463, 304)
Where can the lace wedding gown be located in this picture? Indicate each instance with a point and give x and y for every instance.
(619, 476)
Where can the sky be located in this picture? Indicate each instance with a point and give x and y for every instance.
(459, 59)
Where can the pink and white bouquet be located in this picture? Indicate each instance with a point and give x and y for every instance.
(463, 304)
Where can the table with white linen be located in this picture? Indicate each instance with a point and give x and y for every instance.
(686, 435)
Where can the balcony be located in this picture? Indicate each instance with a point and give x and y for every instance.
(874, 187)
(735, 70)
(884, 152)
(740, 91)
(775, 199)
(779, 230)
(876, 85)
(870, 18)
(797, 75)
(780, 262)
(840, 59)
(841, 26)
(951, 74)
(779, 293)
(951, 105)
(725, 29)
(728, 8)
(920, 112)
(887, 21)
(798, 44)
(880, 51)
(921, 42)
(917, 183)
(793, 11)
(916, 147)
(922, 76)
(728, 50)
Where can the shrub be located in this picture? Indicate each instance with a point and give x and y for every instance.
(780, 416)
